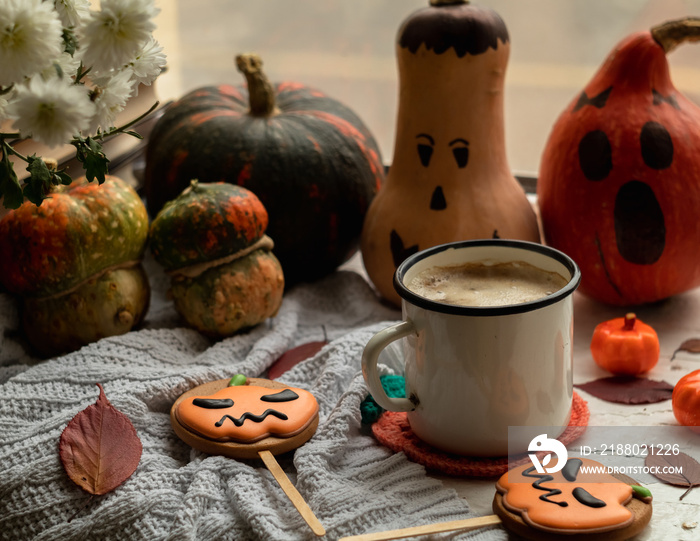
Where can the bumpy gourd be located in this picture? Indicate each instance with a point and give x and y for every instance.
(449, 179)
(619, 183)
(74, 263)
(211, 239)
(309, 158)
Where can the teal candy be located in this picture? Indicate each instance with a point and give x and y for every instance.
(394, 386)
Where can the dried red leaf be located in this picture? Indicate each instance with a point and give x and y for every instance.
(692, 345)
(661, 465)
(293, 357)
(628, 390)
(99, 448)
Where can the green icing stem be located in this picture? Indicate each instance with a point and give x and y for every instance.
(641, 492)
(238, 379)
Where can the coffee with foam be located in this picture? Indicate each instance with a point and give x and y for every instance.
(486, 284)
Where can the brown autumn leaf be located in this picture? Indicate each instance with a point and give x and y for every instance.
(690, 468)
(692, 345)
(293, 357)
(628, 389)
(99, 448)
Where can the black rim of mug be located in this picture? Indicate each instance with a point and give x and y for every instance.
(508, 309)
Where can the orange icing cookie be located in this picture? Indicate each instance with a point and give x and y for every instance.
(568, 500)
(248, 413)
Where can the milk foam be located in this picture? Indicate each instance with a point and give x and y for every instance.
(485, 284)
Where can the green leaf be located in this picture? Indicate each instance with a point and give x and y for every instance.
(134, 134)
(10, 188)
(94, 160)
(39, 171)
(70, 42)
(39, 181)
(61, 177)
(34, 193)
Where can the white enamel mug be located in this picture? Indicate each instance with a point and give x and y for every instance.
(471, 372)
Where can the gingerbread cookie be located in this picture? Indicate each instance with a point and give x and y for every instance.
(571, 504)
(241, 417)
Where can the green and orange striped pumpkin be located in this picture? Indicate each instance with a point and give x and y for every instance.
(211, 239)
(77, 232)
(74, 263)
(312, 162)
(206, 222)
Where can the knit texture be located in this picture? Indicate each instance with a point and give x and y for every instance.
(353, 483)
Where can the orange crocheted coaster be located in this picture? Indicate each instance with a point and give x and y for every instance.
(393, 430)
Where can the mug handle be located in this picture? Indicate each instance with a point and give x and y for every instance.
(369, 366)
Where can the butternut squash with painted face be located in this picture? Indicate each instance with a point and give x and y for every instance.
(449, 179)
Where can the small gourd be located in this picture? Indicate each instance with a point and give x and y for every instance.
(449, 179)
(211, 240)
(74, 262)
(619, 182)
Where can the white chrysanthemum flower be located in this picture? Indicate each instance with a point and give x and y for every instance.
(115, 34)
(111, 95)
(72, 12)
(52, 111)
(30, 38)
(3, 108)
(65, 66)
(148, 64)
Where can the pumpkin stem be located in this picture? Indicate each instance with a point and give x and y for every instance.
(672, 33)
(194, 185)
(630, 319)
(260, 92)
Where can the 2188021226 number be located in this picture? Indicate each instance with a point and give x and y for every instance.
(639, 449)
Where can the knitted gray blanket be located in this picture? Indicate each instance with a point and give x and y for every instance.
(353, 484)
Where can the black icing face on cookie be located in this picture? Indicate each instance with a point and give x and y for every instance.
(248, 413)
(568, 500)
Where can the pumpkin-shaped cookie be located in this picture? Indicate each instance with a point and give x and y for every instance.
(240, 420)
(579, 501)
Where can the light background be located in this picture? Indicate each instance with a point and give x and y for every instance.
(346, 49)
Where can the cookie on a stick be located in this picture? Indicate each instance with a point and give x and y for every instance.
(250, 418)
(577, 503)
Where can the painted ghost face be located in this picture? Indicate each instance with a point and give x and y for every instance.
(428, 150)
(459, 149)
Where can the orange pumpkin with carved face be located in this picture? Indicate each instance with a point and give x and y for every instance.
(619, 183)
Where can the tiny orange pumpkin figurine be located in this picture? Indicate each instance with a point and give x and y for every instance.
(686, 401)
(625, 346)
